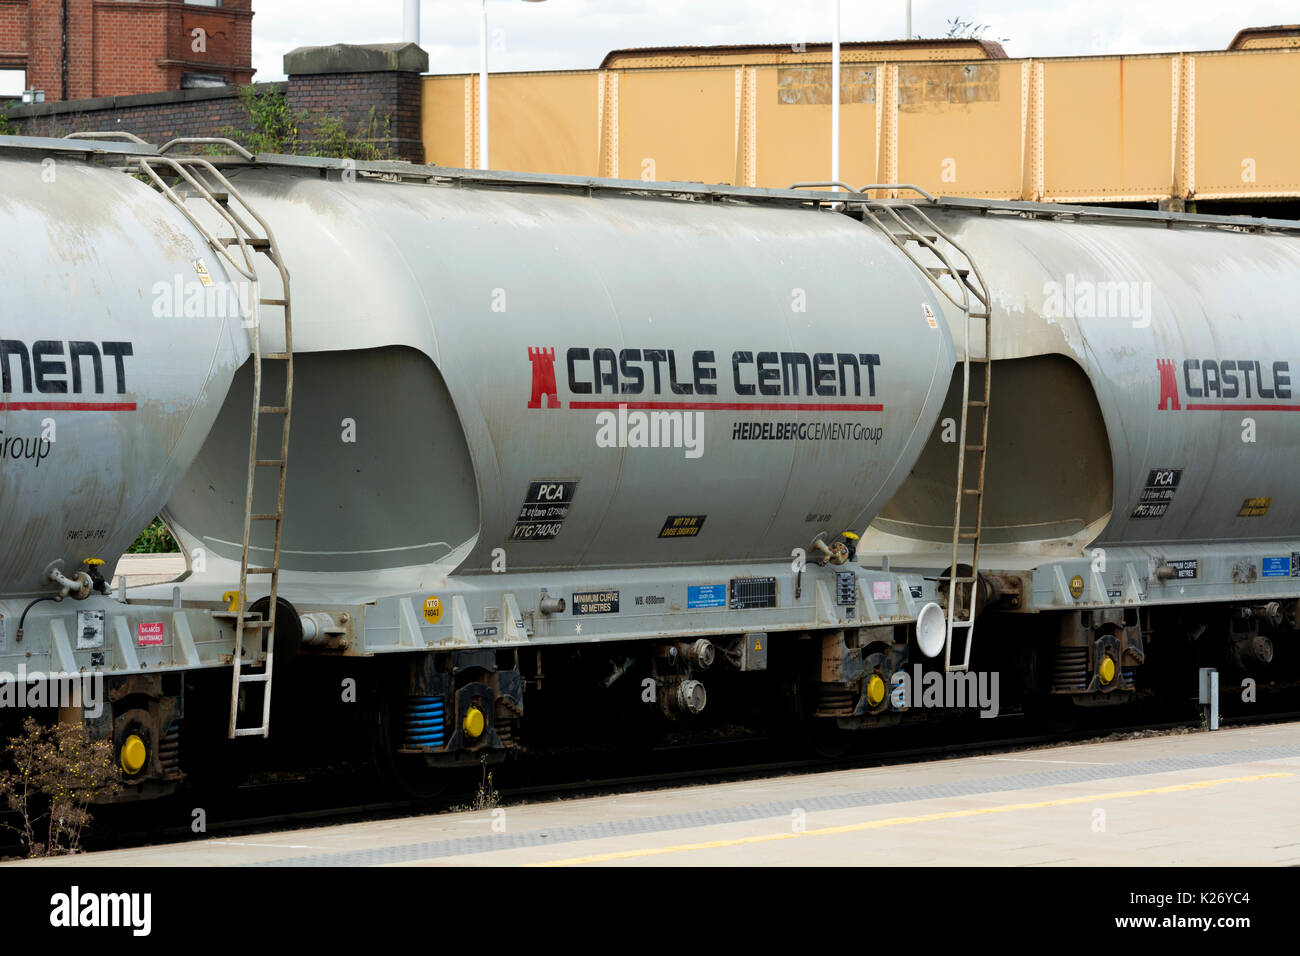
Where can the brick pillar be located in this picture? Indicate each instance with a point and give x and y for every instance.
(346, 82)
(45, 47)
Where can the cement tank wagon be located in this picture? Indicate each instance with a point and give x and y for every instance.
(1142, 440)
(574, 380)
(110, 383)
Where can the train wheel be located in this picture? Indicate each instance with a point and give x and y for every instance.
(408, 774)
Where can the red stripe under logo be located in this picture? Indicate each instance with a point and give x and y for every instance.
(729, 406)
(1242, 408)
(67, 406)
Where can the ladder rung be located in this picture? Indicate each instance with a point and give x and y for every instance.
(269, 463)
(259, 244)
(277, 356)
(964, 534)
(272, 302)
(972, 491)
(978, 359)
(938, 271)
(961, 623)
(254, 678)
(974, 447)
(265, 517)
(274, 409)
(261, 570)
(977, 404)
(254, 624)
(250, 731)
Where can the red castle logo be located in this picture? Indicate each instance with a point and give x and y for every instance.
(1168, 385)
(543, 379)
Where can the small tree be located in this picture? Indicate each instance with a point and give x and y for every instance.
(55, 773)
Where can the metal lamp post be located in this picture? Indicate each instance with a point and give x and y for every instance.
(483, 160)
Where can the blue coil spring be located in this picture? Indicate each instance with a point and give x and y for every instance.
(425, 722)
(1129, 674)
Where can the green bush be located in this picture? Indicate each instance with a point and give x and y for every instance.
(155, 539)
(275, 128)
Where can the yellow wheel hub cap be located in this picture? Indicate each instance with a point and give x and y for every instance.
(133, 755)
(875, 690)
(474, 723)
(1107, 670)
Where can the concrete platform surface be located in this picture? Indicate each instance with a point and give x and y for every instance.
(1203, 799)
(140, 570)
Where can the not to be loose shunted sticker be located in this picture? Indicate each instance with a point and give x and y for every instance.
(682, 526)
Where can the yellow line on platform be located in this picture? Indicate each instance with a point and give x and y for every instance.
(900, 821)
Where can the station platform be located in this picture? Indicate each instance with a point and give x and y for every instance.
(1191, 799)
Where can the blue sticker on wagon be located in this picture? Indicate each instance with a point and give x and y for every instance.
(1276, 567)
(706, 595)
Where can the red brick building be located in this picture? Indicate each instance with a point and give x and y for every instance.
(79, 49)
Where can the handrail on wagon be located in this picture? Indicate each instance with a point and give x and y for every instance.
(110, 134)
(206, 141)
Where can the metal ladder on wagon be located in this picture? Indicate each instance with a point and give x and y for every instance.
(907, 226)
(250, 239)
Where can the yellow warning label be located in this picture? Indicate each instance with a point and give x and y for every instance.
(433, 609)
(202, 270)
(758, 644)
(1076, 586)
(929, 316)
(1254, 507)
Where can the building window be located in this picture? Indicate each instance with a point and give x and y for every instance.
(203, 3)
(195, 81)
(12, 82)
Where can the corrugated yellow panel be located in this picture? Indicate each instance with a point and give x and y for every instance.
(959, 128)
(677, 125)
(544, 123)
(794, 125)
(1108, 129)
(442, 115)
(1247, 132)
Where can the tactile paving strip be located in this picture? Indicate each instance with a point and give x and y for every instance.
(462, 846)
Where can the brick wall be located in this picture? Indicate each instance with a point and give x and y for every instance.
(351, 96)
(373, 91)
(123, 47)
(154, 117)
(159, 117)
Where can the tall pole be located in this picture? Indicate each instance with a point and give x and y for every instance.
(835, 97)
(483, 90)
(411, 22)
(908, 34)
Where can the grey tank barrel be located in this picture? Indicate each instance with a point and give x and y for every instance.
(544, 378)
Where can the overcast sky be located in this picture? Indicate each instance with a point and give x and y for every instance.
(576, 34)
